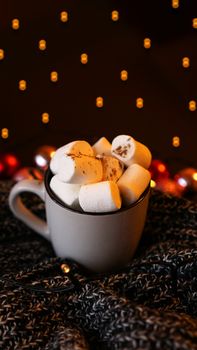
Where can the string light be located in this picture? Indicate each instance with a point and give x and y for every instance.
(1, 54)
(176, 141)
(147, 43)
(42, 44)
(4, 133)
(192, 105)
(84, 58)
(139, 102)
(45, 118)
(22, 85)
(185, 62)
(152, 183)
(99, 102)
(194, 22)
(194, 176)
(123, 75)
(115, 16)
(15, 24)
(64, 16)
(54, 76)
(175, 4)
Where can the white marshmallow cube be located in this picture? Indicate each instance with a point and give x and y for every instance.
(74, 147)
(102, 147)
(133, 183)
(68, 193)
(100, 197)
(112, 168)
(130, 151)
(80, 169)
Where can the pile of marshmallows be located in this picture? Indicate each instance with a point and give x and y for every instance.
(99, 178)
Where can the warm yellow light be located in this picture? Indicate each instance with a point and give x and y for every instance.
(64, 16)
(1, 54)
(115, 16)
(186, 62)
(99, 102)
(152, 183)
(45, 118)
(4, 133)
(42, 45)
(84, 58)
(176, 141)
(124, 75)
(15, 24)
(54, 76)
(175, 4)
(194, 22)
(139, 102)
(52, 154)
(22, 85)
(194, 176)
(192, 105)
(147, 43)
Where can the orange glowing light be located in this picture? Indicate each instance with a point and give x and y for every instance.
(161, 168)
(152, 183)
(42, 45)
(45, 118)
(123, 75)
(22, 85)
(84, 58)
(194, 23)
(192, 105)
(176, 141)
(115, 15)
(15, 24)
(4, 133)
(195, 176)
(99, 102)
(185, 62)
(1, 54)
(54, 76)
(64, 16)
(147, 43)
(139, 102)
(175, 4)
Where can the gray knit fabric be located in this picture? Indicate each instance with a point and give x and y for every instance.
(149, 304)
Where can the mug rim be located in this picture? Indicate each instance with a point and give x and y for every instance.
(47, 177)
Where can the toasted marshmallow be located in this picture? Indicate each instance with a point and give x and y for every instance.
(74, 147)
(100, 197)
(102, 147)
(68, 193)
(80, 169)
(112, 168)
(133, 183)
(130, 151)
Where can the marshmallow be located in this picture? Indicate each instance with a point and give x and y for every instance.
(133, 183)
(130, 151)
(102, 147)
(112, 168)
(75, 147)
(68, 193)
(100, 197)
(80, 169)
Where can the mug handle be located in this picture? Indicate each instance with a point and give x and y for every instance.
(20, 210)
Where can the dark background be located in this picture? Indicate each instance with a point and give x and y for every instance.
(156, 75)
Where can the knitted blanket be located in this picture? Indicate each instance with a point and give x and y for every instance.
(49, 303)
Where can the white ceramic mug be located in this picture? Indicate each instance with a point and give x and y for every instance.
(99, 242)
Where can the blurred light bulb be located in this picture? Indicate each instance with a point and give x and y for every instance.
(4, 133)
(192, 105)
(54, 76)
(115, 16)
(147, 43)
(175, 4)
(45, 118)
(139, 102)
(99, 102)
(194, 22)
(22, 85)
(194, 176)
(15, 24)
(42, 45)
(64, 16)
(1, 54)
(84, 58)
(176, 141)
(182, 182)
(152, 183)
(185, 62)
(123, 75)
